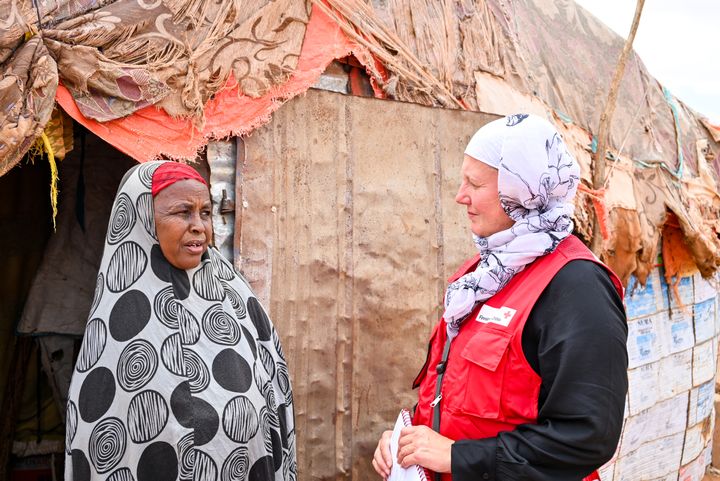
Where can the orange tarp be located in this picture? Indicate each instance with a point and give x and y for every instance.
(151, 132)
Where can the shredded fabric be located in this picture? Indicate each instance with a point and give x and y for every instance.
(537, 182)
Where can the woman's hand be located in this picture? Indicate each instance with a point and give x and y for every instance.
(421, 445)
(382, 460)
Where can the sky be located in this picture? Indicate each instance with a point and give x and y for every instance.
(676, 41)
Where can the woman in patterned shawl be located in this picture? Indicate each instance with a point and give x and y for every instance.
(181, 374)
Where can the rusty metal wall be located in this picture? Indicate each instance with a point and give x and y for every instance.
(346, 227)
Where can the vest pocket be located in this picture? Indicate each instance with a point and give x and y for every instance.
(484, 354)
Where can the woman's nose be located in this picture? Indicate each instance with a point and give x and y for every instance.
(196, 224)
(461, 197)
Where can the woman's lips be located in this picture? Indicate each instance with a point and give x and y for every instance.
(195, 248)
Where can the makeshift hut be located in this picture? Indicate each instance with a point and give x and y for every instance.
(332, 200)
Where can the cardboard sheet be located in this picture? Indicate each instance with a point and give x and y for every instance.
(662, 419)
(704, 362)
(704, 316)
(676, 372)
(643, 387)
(653, 460)
(645, 339)
(645, 299)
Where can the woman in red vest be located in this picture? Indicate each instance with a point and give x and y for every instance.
(526, 376)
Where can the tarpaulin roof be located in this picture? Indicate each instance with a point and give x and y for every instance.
(160, 78)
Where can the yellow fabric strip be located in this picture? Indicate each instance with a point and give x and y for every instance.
(53, 175)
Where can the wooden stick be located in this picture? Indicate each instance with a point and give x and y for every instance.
(606, 119)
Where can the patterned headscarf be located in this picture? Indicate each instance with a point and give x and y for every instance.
(537, 181)
(180, 374)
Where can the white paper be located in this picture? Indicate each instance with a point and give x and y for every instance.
(397, 472)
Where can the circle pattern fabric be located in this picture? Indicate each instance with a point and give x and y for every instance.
(180, 375)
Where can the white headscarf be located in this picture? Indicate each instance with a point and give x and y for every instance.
(537, 181)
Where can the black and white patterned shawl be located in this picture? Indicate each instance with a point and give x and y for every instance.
(537, 181)
(180, 374)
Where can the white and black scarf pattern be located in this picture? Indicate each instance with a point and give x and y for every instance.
(180, 375)
(537, 181)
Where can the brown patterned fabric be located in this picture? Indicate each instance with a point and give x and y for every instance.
(27, 95)
(130, 54)
(117, 57)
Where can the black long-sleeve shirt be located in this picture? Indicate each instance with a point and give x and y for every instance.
(575, 339)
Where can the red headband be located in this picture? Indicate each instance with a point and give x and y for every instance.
(169, 173)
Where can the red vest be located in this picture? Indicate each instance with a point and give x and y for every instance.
(488, 385)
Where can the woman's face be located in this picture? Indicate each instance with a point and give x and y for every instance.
(479, 194)
(183, 221)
